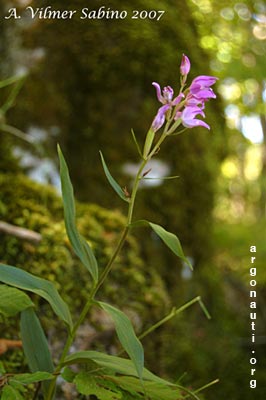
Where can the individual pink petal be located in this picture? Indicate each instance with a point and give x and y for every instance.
(191, 112)
(204, 80)
(195, 87)
(204, 93)
(195, 122)
(160, 117)
(178, 99)
(158, 92)
(189, 120)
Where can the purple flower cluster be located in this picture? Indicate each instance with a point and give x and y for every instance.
(188, 105)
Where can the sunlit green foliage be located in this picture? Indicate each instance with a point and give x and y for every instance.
(88, 89)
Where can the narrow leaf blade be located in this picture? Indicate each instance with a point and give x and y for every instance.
(24, 280)
(112, 181)
(10, 81)
(171, 241)
(34, 342)
(79, 244)
(27, 379)
(136, 143)
(127, 336)
(154, 390)
(117, 364)
(35, 345)
(162, 178)
(12, 301)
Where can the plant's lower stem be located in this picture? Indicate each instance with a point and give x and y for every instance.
(111, 261)
(85, 310)
(101, 280)
(38, 386)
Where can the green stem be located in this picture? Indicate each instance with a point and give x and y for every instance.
(206, 386)
(134, 191)
(158, 144)
(165, 319)
(50, 394)
(166, 132)
(101, 280)
(38, 387)
(16, 132)
(174, 127)
(108, 267)
(172, 314)
(203, 387)
(126, 229)
(68, 343)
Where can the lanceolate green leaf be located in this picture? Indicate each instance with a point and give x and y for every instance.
(163, 178)
(116, 364)
(23, 280)
(79, 244)
(171, 241)
(12, 96)
(127, 336)
(168, 238)
(35, 345)
(112, 182)
(10, 81)
(26, 379)
(154, 390)
(13, 300)
(34, 342)
(136, 143)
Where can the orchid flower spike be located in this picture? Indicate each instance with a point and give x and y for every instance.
(184, 108)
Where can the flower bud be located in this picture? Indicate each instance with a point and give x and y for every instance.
(185, 65)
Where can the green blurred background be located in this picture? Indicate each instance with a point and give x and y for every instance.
(87, 84)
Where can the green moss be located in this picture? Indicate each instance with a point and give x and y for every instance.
(39, 208)
(132, 286)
